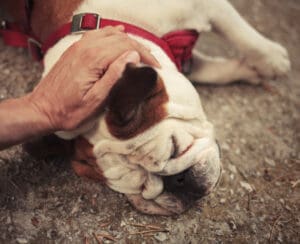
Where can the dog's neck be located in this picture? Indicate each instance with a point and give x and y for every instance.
(51, 14)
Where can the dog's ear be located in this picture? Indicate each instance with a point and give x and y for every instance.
(129, 93)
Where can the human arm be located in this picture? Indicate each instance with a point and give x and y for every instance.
(74, 89)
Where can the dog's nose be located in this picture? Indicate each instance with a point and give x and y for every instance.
(197, 181)
(186, 185)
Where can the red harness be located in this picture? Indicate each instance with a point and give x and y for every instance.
(177, 45)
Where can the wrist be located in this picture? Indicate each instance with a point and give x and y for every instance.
(40, 117)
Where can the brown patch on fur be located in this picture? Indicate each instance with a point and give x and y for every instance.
(48, 16)
(15, 9)
(136, 102)
(49, 146)
(45, 17)
(84, 161)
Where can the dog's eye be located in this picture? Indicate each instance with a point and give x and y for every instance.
(130, 115)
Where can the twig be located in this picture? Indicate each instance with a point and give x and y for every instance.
(273, 227)
(154, 227)
(86, 240)
(109, 237)
(295, 183)
(104, 224)
(147, 231)
(100, 241)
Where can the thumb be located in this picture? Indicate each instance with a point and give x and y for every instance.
(102, 87)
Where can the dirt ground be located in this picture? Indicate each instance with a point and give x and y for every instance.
(42, 201)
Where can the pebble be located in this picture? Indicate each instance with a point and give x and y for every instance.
(21, 240)
(246, 186)
(270, 162)
(243, 141)
(10, 229)
(161, 236)
(52, 234)
(232, 168)
(8, 220)
(222, 200)
(232, 225)
(223, 228)
(277, 183)
(6, 71)
(253, 228)
(225, 146)
(262, 218)
(238, 151)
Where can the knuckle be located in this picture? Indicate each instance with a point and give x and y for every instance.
(88, 54)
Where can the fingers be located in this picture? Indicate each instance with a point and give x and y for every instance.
(103, 32)
(102, 87)
(110, 42)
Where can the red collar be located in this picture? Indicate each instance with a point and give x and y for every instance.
(177, 45)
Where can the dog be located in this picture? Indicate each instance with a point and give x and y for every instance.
(154, 142)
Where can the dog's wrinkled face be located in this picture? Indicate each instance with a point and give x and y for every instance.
(154, 143)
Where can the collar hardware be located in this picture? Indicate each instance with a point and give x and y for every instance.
(85, 21)
(3, 24)
(35, 49)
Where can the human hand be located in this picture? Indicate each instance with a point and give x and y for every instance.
(78, 84)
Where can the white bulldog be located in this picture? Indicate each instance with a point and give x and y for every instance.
(154, 142)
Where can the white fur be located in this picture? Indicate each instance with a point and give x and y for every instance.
(130, 164)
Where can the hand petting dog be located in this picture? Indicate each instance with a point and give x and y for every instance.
(74, 89)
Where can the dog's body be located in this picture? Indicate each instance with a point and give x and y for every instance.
(166, 156)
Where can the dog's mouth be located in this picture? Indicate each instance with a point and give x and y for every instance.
(183, 188)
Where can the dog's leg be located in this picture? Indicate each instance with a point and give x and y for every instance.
(220, 71)
(267, 58)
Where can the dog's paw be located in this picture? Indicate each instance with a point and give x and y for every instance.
(270, 60)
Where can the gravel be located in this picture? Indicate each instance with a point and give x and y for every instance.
(257, 201)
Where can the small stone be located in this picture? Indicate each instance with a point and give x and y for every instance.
(253, 228)
(232, 168)
(270, 162)
(52, 234)
(238, 151)
(232, 225)
(282, 201)
(10, 229)
(123, 223)
(280, 237)
(246, 186)
(223, 228)
(21, 240)
(288, 208)
(225, 146)
(262, 218)
(8, 220)
(6, 71)
(222, 200)
(161, 236)
(243, 141)
(277, 183)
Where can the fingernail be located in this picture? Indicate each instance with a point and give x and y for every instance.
(157, 64)
(132, 56)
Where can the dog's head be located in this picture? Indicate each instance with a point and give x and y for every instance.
(154, 141)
